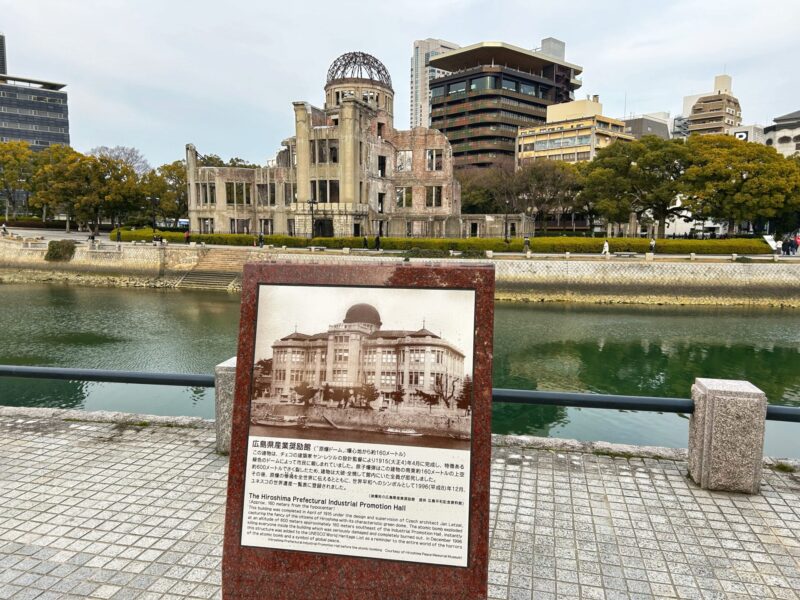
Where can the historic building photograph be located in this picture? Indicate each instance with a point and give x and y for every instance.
(346, 171)
(380, 360)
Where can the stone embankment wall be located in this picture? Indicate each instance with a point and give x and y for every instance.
(137, 259)
(585, 279)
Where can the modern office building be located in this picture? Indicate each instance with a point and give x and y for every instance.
(421, 74)
(357, 352)
(574, 131)
(656, 124)
(346, 171)
(717, 112)
(492, 89)
(749, 133)
(3, 59)
(784, 135)
(31, 110)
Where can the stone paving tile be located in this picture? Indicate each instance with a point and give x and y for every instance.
(97, 510)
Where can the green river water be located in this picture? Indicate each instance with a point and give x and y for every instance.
(654, 351)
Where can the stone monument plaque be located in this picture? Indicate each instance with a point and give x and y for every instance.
(361, 440)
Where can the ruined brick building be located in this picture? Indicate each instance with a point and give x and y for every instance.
(346, 172)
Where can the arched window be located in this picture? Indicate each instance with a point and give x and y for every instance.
(784, 139)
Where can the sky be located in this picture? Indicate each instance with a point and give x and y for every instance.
(157, 74)
(282, 308)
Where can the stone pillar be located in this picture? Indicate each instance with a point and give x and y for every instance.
(726, 435)
(224, 384)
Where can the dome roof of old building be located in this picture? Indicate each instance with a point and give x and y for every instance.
(363, 313)
(359, 65)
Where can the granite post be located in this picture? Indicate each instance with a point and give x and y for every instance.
(224, 385)
(726, 435)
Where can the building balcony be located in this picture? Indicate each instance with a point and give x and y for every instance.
(501, 146)
(461, 97)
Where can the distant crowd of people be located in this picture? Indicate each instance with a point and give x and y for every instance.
(789, 245)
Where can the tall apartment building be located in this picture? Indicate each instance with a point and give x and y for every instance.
(573, 133)
(717, 112)
(421, 74)
(492, 89)
(3, 60)
(31, 110)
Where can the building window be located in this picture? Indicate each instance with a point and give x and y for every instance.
(403, 197)
(388, 357)
(333, 151)
(212, 193)
(333, 190)
(416, 356)
(457, 88)
(370, 357)
(265, 226)
(509, 85)
(437, 92)
(341, 355)
(341, 339)
(230, 195)
(340, 376)
(403, 160)
(416, 378)
(434, 159)
(438, 356)
(370, 376)
(296, 376)
(388, 379)
(381, 166)
(433, 196)
(322, 151)
(290, 229)
(298, 356)
(289, 194)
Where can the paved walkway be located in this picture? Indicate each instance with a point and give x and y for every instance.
(103, 510)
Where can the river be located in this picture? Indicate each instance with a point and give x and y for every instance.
(622, 349)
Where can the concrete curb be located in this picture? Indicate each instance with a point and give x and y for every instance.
(101, 416)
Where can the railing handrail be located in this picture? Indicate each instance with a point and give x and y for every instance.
(551, 398)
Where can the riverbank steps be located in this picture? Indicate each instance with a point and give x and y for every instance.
(589, 279)
(134, 508)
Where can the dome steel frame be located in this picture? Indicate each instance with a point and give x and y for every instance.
(359, 65)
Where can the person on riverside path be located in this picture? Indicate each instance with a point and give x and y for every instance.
(378, 242)
(186, 235)
(119, 234)
(652, 245)
(260, 239)
(605, 248)
(366, 243)
(5, 229)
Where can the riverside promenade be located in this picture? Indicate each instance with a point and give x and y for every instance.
(105, 505)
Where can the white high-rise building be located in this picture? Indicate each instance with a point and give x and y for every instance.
(421, 74)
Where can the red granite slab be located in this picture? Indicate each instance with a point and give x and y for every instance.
(265, 573)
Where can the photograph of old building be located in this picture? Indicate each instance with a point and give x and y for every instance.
(359, 372)
(346, 171)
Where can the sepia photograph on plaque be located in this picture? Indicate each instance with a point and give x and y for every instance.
(361, 432)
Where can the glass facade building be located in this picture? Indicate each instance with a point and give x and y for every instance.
(33, 111)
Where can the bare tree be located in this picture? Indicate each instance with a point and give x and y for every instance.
(130, 156)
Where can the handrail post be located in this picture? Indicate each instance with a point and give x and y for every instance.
(224, 384)
(726, 435)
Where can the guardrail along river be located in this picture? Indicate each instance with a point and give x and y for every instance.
(620, 349)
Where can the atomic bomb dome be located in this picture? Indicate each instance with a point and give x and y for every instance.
(363, 313)
(359, 65)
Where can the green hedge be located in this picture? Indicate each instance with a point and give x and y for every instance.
(60, 250)
(472, 246)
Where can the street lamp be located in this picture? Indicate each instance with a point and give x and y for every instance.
(154, 200)
(311, 203)
(505, 221)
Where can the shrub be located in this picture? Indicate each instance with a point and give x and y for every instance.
(472, 247)
(60, 250)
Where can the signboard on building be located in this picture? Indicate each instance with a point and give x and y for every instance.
(361, 438)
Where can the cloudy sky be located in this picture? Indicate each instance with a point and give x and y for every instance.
(157, 74)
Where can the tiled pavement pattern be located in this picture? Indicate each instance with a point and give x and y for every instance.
(100, 510)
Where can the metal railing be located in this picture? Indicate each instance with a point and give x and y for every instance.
(499, 395)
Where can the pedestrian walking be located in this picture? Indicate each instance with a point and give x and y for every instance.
(793, 246)
(785, 247)
(186, 236)
(605, 248)
(366, 243)
(261, 239)
(5, 229)
(119, 234)
(378, 242)
(652, 245)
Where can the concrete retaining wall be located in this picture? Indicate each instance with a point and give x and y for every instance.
(139, 259)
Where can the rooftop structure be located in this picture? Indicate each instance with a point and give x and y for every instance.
(649, 124)
(492, 89)
(784, 134)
